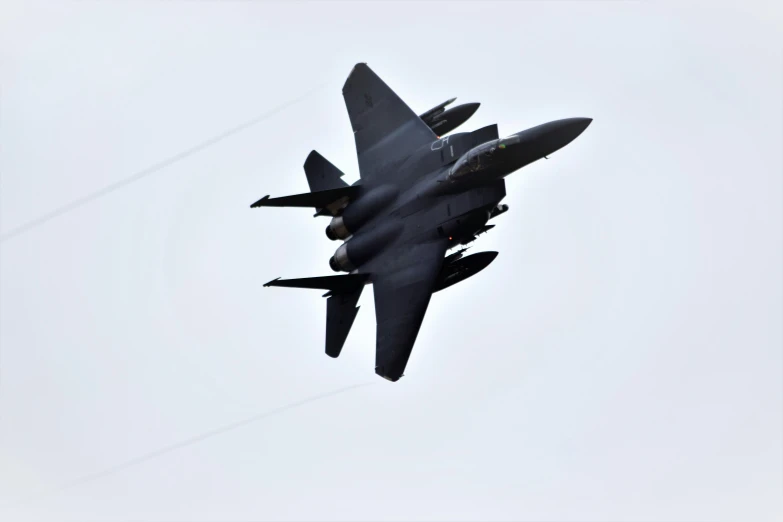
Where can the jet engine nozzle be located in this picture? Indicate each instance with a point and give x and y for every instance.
(334, 265)
(363, 247)
(337, 230)
(361, 211)
(340, 262)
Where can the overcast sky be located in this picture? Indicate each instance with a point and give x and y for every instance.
(619, 361)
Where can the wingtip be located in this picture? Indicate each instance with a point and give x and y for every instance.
(358, 65)
(381, 372)
(270, 282)
(259, 202)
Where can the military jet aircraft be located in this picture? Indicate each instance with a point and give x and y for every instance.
(419, 195)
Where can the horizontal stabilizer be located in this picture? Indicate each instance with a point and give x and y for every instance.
(335, 283)
(332, 199)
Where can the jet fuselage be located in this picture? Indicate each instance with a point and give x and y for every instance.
(453, 200)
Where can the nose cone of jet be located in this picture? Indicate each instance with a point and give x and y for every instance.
(549, 137)
(570, 128)
(533, 144)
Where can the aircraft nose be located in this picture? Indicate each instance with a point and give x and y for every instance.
(559, 133)
(545, 139)
(578, 124)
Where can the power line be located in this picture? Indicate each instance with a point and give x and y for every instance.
(192, 440)
(151, 169)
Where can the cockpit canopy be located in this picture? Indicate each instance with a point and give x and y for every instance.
(480, 157)
(476, 158)
(508, 140)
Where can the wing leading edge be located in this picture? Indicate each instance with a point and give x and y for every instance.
(385, 129)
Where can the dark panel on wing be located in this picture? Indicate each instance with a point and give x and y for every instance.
(402, 294)
(386, 130)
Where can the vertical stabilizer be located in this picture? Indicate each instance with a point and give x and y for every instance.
(344, 292)
(341, 311)
(322, 175)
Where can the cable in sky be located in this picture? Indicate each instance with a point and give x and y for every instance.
(193, 440)
(152, 168)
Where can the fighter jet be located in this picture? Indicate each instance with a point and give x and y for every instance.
(420, 194)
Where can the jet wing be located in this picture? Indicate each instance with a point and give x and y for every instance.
(402, 291)
(386, 130)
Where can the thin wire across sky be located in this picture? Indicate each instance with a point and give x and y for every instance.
(190, 441)
(152, 169)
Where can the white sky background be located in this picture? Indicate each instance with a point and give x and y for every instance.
(620, 360)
